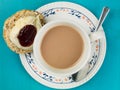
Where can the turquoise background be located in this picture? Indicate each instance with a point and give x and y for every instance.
(13, 75)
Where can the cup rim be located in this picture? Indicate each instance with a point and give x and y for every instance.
(55, 71)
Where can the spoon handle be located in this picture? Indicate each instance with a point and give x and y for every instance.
(104, 13)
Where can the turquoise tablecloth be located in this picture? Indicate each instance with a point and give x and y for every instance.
(13, 75)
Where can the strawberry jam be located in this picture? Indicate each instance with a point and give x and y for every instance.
(26, 35)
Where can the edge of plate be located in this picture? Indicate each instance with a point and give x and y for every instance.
(96, 68)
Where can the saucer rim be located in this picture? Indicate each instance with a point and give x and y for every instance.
(95, 69)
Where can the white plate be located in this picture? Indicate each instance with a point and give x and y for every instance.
(81, 15)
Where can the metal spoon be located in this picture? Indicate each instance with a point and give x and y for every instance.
(103, 15)
(82, 73)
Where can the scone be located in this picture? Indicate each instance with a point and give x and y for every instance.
(20, 30)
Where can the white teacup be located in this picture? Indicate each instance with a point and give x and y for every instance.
(80, 62)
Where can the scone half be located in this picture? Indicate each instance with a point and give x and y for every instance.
(11, 23)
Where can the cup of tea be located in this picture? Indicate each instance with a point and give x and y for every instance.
(62, 47)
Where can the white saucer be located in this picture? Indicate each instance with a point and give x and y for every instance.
(82, 16)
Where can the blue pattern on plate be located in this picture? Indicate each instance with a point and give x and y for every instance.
(73, 12)
(67, 79)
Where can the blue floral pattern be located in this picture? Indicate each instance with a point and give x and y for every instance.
(93, 59)
(70, 11)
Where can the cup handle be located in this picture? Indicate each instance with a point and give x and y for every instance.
(96, 35)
